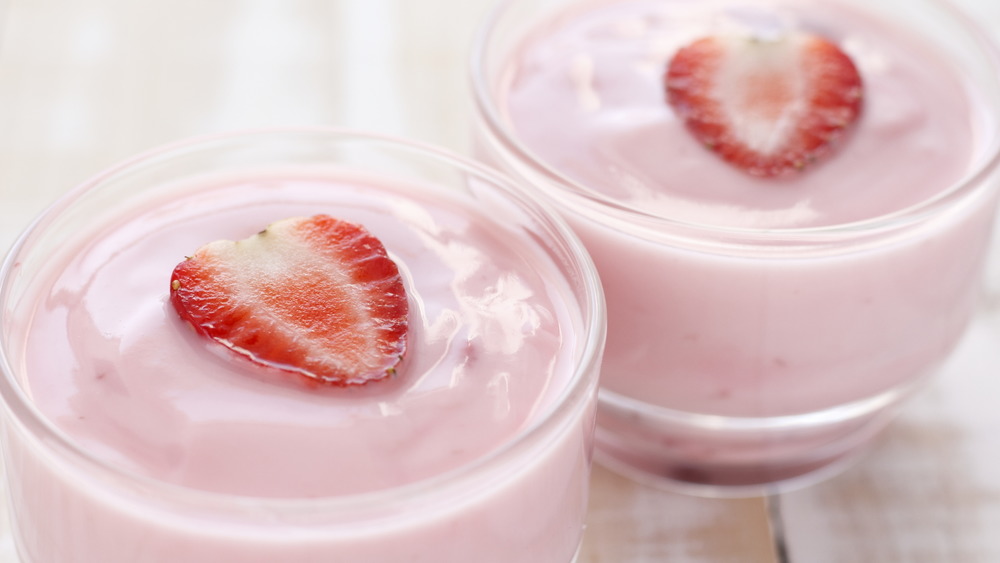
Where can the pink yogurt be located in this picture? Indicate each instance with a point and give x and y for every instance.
(494, 348)
(586, 95)
(830, 291)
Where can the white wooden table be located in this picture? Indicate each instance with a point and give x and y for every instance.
(86, 83)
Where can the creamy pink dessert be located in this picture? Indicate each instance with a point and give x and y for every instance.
(758, 326)
(494, 343)
(585, 94)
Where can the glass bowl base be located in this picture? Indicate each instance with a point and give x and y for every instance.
(719, 456)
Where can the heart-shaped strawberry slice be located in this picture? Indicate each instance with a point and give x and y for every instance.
(314, 296)
(768, 106)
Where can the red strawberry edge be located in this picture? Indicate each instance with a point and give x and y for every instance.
(317, 297)
(827, 103)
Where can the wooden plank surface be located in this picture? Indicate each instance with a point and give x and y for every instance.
(86, 83)
(930, 490)
(630, 523)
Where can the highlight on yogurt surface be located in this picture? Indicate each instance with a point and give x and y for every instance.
(313, 296)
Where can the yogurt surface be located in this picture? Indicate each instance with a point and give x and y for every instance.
(110, 363)
(585, 93)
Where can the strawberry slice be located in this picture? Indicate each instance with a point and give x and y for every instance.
(314, 296)
(768, 106)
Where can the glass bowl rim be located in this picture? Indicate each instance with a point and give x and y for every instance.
(971, 184)
(580, 389)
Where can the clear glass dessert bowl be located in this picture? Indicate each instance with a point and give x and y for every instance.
(127, 437)
(760, 330)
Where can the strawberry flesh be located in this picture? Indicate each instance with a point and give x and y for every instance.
(767, 106)
(315, 296)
